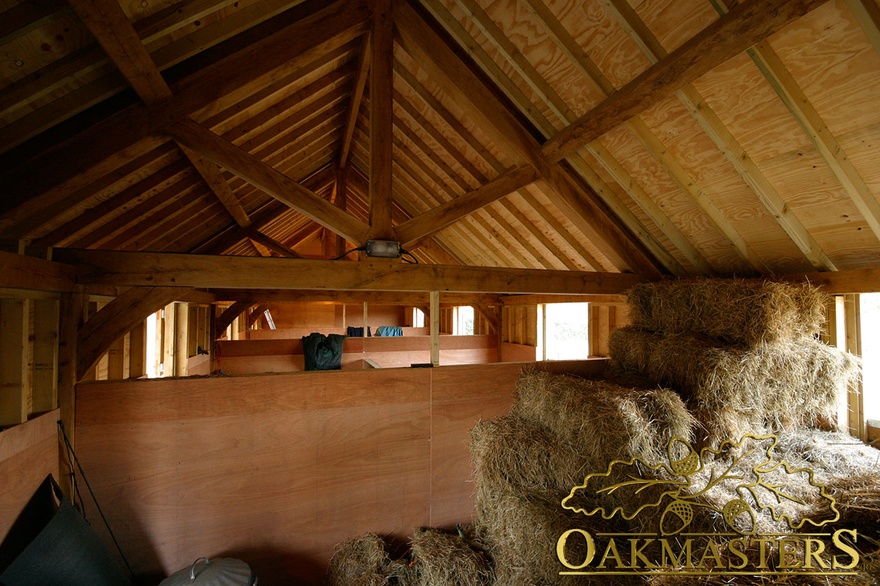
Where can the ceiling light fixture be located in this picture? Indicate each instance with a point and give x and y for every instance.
(383, 249)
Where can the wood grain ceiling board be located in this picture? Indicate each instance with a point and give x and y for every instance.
(664, 177)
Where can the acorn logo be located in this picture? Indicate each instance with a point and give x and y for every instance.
(734, 510)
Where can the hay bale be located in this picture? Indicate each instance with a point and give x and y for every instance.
(514, 456)
(522, 531)
(630, 349)
(359, 562)
(830, 454)
(446, 559)
(785, 385)
(737, 311)
(603, 420)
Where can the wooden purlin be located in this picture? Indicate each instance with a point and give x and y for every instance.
(748, 23)
(447, 70)
(467, 162)
(868, 14)
(128, 133)
(726, 142)
(113, 31)
(558, 106)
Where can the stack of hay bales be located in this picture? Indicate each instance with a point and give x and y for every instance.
(743, 353)
(743, 358)
(560, 429)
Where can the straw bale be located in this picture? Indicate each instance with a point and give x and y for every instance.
(522, 531)
(830, 454)
(446, 559)
(514, 456)
(736, 311)
(604, 421)
(359, 562)
(785, 385)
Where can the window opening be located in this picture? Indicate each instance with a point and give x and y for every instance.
(870, 349)
(151, 360)
(566, 331)
(418, 318)
(464, 321)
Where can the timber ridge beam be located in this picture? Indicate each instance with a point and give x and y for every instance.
(146, 269)
(27, 273)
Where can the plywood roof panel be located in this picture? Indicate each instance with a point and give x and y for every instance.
(726, 177)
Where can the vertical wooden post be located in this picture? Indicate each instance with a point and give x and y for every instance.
(541, 338)
(381, 119)
(203, 326)
(181, 338)
(499, 335)
(45, 387)
(366, 318)
(435, 328)
(342, 203)
(116, 359)
(600, 323)
(214, 336)
(168, 349)
(137, 351)
(70, 320)
(853, 344)
(13, 361)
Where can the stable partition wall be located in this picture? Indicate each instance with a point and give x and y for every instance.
(28, 453)
(279, 469)
(269, 355)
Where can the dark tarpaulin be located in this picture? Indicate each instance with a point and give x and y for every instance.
(323, 352)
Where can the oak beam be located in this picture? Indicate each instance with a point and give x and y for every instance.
(434, 327)
(744, 26)
(354, 106)
(225, 319)
(114, 32)
(71, 317)
(187, 270)
(421, 226)
(381, 119)
(116, 319)
(841, 282)
(449, 72)
(268, 179)
(88, 153)
(271, 243)
(25, 272)
(416, 299)
(217, 183)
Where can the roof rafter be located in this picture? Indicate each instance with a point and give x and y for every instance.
(132, 131)
(745, 25)
(449, 71)
(267, 178)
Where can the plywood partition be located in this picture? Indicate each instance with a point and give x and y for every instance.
(28, 453)
(279, 469)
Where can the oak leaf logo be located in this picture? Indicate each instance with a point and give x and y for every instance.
(738, 481)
